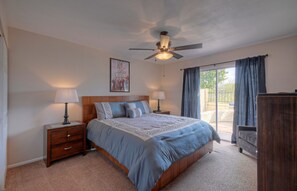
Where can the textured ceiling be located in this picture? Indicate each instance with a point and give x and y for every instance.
(116, 25)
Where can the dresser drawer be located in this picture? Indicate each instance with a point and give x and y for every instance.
(66, 149)
(67, 134)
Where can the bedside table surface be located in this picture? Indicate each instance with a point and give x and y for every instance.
(161, 112)
(60, 125)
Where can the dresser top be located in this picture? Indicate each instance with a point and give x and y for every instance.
(277, 94)
(60, 125)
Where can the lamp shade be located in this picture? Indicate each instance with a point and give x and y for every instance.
(158, 95)
(66, 95)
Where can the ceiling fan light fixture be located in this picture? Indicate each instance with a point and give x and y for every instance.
(164, 50)
(164, 41)
(164, 55)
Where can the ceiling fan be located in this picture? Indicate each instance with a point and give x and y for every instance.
(165, 52)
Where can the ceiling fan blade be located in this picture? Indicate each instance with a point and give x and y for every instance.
(175, 55)
(152, 56)
(187, 47)
(141, 49)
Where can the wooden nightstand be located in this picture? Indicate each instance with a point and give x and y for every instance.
(61, 141)
(162, 112)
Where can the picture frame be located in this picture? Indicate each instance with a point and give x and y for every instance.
(119, 75)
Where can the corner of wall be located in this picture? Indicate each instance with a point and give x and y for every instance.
(3, 23)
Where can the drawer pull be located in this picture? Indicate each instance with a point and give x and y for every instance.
(68, 135)
(67, 148)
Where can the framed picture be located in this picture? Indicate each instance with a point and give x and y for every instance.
(119, 75)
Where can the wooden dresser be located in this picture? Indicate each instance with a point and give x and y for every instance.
(277, 142)
(61, 141)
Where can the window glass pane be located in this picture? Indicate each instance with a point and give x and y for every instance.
(225, 94)
(208, 96)
(217, 89)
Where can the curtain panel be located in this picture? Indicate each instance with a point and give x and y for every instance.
(249, 81)
(191, 93)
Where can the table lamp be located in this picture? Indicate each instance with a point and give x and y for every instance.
(159, 95)
(66, 95)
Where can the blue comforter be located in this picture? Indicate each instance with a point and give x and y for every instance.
(148, 145)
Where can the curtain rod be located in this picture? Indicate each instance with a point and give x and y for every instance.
(221, 62)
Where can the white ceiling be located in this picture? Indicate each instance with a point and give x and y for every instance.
(116, 25)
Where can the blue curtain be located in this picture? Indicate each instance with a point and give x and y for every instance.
(249, 81)
(191, 90)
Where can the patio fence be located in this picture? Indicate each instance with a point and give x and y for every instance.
(223, 96)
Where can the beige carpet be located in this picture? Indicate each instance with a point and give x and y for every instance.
(225, 169)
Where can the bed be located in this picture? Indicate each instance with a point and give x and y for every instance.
(151, 158)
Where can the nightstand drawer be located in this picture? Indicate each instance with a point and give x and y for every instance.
(67, 149)
(66, 135)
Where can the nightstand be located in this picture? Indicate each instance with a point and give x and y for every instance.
(162, 112)
(61, 141)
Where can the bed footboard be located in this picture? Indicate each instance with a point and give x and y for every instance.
(173, 171)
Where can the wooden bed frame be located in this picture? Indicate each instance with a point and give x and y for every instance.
(89, 113)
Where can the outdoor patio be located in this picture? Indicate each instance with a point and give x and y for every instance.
(225, 112)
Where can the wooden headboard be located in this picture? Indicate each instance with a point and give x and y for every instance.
(88, 107)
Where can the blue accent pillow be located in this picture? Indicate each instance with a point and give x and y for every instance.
(118, 109)
(128, 106)
(135, 112)
(109, 110)
(143, 105)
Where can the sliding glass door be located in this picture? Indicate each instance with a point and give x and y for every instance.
(217, 99)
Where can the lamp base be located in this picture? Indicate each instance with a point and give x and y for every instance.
(66, 121)
(158, 109)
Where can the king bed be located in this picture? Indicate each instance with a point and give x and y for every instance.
(152, 149)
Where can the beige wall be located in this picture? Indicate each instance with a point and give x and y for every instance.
(38, 65)
(281, 69)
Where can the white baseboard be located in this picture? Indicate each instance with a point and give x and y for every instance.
(24, 162)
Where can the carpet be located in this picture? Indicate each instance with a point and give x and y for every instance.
(225, 169)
